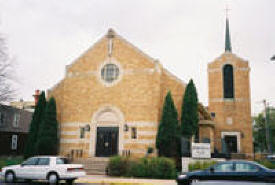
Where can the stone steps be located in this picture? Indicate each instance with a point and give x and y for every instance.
(93, 166)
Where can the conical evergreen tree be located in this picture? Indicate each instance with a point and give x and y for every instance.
(47, 135)
(35, 126)
(189, 115)
(167, 141)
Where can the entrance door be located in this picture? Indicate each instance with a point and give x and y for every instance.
(106, 141)
(231, 144)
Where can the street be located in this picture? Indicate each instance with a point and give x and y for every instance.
(172, 183)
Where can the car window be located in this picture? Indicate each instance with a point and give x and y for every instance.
(62, 161)
(245, 167)
(224, 167)
(43, 161)
(31, 161)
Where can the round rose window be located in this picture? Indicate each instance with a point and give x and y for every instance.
(109, 73)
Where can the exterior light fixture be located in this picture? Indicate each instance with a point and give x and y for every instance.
(87, 128)
(126, 127)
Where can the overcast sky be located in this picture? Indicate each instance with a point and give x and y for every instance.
(184, 35)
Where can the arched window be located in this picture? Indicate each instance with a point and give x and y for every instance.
(228, 81)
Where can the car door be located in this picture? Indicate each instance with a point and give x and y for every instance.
(246, 171)
(41, 168)
(221, 171)
(26, 169)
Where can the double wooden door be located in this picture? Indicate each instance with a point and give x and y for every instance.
(107, 141)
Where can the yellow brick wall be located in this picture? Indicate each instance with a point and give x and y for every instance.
(238, 109)
(138, 94)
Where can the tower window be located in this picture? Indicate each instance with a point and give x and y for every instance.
(228, 81)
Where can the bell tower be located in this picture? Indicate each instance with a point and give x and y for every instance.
(229, 101)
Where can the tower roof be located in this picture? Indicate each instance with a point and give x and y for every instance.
(228, 47)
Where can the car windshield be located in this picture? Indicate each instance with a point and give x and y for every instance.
(30, 161)
(260, 166)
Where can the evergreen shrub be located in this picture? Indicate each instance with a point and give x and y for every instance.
(118, 166)
(156, 167)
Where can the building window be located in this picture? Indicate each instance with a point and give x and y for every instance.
(82, 132)
(14, 142)
(213, 114)
(16, 119)
(134, 133)
(109, 73)
(228, 81)
(1, 118)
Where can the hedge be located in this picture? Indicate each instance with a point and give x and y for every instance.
(267, 164)
(6, 161)
(198, 165)
(157, 167)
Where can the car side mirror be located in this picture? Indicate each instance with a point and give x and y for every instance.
(212, 170)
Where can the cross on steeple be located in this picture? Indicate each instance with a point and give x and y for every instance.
(110, 36)
(227, 9)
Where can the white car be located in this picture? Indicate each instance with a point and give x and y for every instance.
(48, 168)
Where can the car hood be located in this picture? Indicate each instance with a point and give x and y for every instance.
(12, 166)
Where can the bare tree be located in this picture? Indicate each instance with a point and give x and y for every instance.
(7, 92)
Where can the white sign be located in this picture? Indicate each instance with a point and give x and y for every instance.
(201, 150)
(14, 142)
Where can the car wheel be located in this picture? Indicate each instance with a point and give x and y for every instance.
(53, 179)
(194, 181)
(70, 181)
(9, 177)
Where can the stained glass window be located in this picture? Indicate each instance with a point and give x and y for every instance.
(109, 72)
(228, 81)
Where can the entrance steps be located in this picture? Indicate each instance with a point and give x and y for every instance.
(93, 165)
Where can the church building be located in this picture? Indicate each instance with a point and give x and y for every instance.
(110, 101)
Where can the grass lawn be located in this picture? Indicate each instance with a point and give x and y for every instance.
(5, 161)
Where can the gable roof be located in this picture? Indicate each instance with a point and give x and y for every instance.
(111, 34)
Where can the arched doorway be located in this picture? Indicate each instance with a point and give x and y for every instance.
(107, 132)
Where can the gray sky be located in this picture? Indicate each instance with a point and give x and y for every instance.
(184, 35)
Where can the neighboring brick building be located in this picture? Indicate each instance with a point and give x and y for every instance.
(26, 105)
(110, 102)
(14, 127)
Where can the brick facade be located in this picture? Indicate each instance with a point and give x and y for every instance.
(232, 115)
(135, 99)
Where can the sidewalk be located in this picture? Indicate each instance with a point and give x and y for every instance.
(100, 179)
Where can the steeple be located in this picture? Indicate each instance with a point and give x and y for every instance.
(227, 38)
